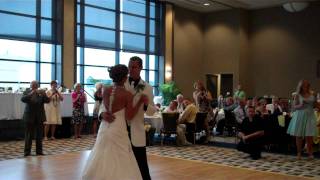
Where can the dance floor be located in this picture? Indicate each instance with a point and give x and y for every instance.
(69, 166)
(164, 160)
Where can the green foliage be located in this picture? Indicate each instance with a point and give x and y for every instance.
(91, 80)
(169, 92)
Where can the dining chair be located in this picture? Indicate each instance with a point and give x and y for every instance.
(169, 124)
(197, 127)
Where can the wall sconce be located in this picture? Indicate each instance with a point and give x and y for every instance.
(168, 73)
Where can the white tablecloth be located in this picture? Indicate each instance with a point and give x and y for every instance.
(155, 121)
(11, 106)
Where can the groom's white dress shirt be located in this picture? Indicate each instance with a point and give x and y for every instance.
(138, 136)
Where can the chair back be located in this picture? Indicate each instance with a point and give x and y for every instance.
(230, 119)
(170, 121)
(200, 120)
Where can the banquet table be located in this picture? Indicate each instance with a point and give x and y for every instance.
(11, 106)
(155, 121)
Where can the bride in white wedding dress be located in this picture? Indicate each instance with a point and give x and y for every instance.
(112, 156)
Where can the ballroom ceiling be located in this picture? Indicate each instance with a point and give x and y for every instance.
(218, 5)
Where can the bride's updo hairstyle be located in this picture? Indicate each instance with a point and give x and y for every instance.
(118, 72)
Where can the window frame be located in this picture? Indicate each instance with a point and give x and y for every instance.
(80, 43)
(55, 41)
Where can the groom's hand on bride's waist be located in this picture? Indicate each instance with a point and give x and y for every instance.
(107, 116)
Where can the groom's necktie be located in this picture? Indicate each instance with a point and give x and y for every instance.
(136, 81)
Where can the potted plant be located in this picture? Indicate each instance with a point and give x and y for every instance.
(169, 92)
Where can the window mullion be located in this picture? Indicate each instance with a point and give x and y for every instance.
(38, 39)
(117, 33)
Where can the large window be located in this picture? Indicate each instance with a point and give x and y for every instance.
(109, 32)
(30, 42)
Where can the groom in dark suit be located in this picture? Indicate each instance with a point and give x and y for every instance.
(34, 116)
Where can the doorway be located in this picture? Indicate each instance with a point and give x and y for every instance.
(219, 84)
(226, 84)
(212, 84)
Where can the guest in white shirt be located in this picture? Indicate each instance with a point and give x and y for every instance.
(274, 106)
(261, 109)
(188, 116)
(180, 106)
(240, 112)
(157, 107)
(220, 101)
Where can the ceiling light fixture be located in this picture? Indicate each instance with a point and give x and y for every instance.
(206, 4)
(295, 6)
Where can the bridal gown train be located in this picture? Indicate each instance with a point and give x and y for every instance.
(112, 156)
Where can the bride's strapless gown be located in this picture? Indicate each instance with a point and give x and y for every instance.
(112, 156)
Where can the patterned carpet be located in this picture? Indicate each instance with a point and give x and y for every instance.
(14, 149)
(284, 164)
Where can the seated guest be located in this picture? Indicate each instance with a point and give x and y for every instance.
(274, 107)
(255, 102)
(251, 132)
(180, 106)
(172, 107)
(220, 101)
(240, 112)
(230, 104)
(187, 116)
(228, 108)
(261, 108)
(284, 104)
(249, 103)
(158, 107)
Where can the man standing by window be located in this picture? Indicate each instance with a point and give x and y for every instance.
(34, 116)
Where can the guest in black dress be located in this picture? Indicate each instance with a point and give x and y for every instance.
(97, 103)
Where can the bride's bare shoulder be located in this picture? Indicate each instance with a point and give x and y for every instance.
(106, 89)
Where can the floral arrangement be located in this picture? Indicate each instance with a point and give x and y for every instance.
(139, 88)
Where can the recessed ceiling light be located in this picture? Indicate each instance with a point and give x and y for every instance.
(206, 4)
